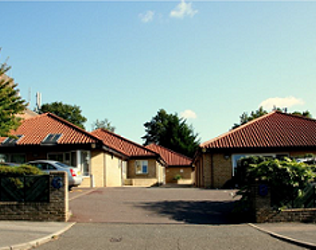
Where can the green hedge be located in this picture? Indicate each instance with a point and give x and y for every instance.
(19, 170)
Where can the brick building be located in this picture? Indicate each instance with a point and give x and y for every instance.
(275, 134)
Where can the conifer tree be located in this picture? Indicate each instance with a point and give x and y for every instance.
(11, 103)
(170, 131)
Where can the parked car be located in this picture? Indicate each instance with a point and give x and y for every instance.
(308, 161)
(74, 174)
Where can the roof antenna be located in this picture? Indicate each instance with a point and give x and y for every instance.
(38, 101)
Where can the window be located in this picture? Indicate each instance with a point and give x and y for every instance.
(51, 167)
(85, 162)
(62, 157)
(141, 167)
(41, 166)
(18, 158)
(51, 139)
(239, 156)
(56, 157)
(11, 141)
(15, 158)
(4, 158)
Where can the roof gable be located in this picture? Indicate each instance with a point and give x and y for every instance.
(170, 157)
(36, 129)
(122, 145)
(272, 130)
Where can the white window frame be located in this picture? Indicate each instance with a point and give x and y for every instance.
(141, 164)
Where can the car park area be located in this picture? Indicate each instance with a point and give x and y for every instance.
(152, 205)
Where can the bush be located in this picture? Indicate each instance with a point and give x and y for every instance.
(20, 170)
(286, 178)
(177, 177)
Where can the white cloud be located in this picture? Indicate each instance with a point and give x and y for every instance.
(279, 102)
(147, 17)
(183, 9)
(187, 114)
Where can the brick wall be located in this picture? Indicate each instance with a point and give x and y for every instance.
(131, 169)
(222, 170)
(57, 209)
(207, 171)
(262, 211)
(186, 174)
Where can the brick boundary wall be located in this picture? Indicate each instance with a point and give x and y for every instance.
(263, 212)
(57, 209)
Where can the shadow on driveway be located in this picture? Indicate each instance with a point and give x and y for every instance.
(193, 212)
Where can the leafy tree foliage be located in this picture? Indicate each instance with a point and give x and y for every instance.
(105, 124)
(11, 103)
(244, 118)
(71, 113)
(170, 131)
(306, 114)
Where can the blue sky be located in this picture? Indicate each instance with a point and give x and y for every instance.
(208, 61)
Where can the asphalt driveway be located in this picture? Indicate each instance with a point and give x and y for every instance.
(152, 205)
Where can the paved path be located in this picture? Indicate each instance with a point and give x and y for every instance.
(152, 205)
(25, 234)
(156, 237)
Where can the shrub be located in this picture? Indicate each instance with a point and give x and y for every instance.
(20, 170)
(177, 177)
(287, 178)
(15, 174)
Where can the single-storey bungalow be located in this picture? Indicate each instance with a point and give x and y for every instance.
(105, 159)
(179, 167)
(139, 166)
(275, 134)
(48, 136)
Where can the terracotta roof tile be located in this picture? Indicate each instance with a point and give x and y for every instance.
(35, 130)
(122, 144)
(275, 129)
(170, 157)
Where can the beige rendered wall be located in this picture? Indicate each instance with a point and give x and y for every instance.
(113, 175)
(161, 173)
(97, 168)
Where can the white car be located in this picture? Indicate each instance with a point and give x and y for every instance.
(74, 174)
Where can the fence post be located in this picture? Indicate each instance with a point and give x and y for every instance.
(261, 201)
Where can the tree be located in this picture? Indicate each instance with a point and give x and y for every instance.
(65, 111)
(244, 118)
(306, 114)
(170, 131)
(11, 103)
(105, 124)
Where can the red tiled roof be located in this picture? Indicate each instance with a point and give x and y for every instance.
(121, 144)
(170, 157)
(27, 114)
(35, 130)
(275, 129)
